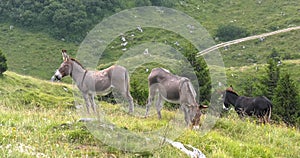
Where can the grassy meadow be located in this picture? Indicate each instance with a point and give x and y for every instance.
(32, 53)
(39, 119)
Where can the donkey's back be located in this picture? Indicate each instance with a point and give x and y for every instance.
(115, 76)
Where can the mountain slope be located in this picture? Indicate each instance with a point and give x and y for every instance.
(32, 53)
(37, 54)
(38, 118)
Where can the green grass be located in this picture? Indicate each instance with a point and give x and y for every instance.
(32, 53)
(237, 76)
(47, 125)
(30, 92)
(39, 118)
(254, 16)
(37, 54)
(256, 52)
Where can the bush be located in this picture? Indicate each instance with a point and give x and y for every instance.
(3, 65)
(230, 32)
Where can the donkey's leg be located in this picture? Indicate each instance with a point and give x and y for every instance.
(240, 112)
(262, 119)
(153, 93)
(186, 114)
(87, 101)
(159, 104)
(126, 95)
(92, 98)
(130, 100)
(264, 116)
(121, 85)
(150, 99)
(261, 116)
(127, 90)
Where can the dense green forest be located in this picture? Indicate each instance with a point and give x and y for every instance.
(67, 19)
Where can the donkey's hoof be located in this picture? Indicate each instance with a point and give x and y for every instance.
(130, 113)
(86, 119)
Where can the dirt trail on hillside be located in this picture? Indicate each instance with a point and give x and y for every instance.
(245, 39)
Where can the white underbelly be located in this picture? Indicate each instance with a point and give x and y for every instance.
(104, 92)
(171, 101)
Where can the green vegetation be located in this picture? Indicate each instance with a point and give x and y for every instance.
(3, 64)
(258, 52)
(272, 77)
(202, 73)
(48, 126)
(32, 53)
(256, 17)
(287, 105)
(38, 117)
(282, 89)
(68, 19)
(245, 82)
(30, 93)
(230, 32)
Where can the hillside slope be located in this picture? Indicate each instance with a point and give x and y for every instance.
(32, 53)
(37, 54)
(38, 118)
(238, 76)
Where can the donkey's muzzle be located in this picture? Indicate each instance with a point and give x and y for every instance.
(55, 78)
(226, 109)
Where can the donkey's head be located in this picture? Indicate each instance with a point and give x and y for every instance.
(65, 68)
(197, 114)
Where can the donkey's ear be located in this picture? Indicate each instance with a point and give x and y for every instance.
(65, 55)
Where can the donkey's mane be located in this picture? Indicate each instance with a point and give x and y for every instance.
(229, 91)
(165, 70)
(76, 61)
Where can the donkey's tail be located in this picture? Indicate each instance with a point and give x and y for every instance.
(269, 114)
(269, 111)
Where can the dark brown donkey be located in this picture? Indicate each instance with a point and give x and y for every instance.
(92, 82)
(260, 106)
(174, 89)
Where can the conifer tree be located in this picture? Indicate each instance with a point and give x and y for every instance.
(286, 104)
(201, 70)
(270, 82)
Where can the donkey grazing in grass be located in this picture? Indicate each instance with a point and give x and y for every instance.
(260, 106)
(92, 82)
(174, 89)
